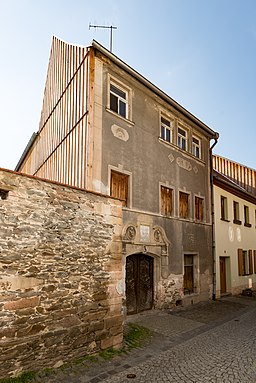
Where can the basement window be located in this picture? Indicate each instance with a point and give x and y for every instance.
(3, 194)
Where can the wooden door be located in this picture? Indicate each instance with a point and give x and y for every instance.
(223, 282)
(139, 283)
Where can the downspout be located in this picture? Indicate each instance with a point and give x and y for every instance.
(213, 222)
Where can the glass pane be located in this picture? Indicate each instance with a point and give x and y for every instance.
(182, 132)
(162, 132)
(166, 122)
(168, 135)
(117, 91)
(122, 108)
(113, 103)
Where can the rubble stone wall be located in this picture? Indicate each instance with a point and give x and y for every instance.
(60, 268)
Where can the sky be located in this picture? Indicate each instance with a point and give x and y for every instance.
(202, 53)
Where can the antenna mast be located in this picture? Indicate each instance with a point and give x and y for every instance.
(111, 27)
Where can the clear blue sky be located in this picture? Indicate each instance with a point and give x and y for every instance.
(202, 53)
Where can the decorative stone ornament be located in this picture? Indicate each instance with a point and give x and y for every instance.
(130, 233)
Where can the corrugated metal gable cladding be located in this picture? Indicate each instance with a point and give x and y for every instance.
(241, 174)
(58, 152)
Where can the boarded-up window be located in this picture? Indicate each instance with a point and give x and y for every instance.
(199, 213)
(245, 262)
(188, 274)
(184, 207)
(119, 186)
(166, 201)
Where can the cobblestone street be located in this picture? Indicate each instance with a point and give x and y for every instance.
(209, 342)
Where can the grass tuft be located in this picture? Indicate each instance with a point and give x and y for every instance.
(134, 337)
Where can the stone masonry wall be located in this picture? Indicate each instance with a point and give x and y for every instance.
(60, 272)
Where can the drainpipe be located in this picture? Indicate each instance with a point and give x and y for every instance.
(213, 221)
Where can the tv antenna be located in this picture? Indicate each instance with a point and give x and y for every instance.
(111, 27)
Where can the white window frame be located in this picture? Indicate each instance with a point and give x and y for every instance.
(126, 101)
(197, 147)
(164, 127)
(182, 138)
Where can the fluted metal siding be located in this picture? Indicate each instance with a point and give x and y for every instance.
(244, 176)
(59, 152)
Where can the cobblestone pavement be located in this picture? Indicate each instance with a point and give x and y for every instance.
(209, 342)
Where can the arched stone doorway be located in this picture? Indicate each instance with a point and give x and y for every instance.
(139, 283)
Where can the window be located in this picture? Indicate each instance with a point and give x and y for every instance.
(118, 100)
(188, 281)
(166, 129)
(199, 213)
(119, 186)
(196, 147)
(236, 213)
(184, 205)
(166, 201)
(255, 217)
(245, 265)
(246, 217)
(223, 208)
(182, 138)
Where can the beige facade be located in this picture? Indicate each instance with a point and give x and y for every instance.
(235, 237)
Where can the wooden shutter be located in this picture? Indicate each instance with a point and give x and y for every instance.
(119, 186)
(199, 209)
(250, 262)
(183, 205)
(241, 270)
(254, 256)
(166, 201)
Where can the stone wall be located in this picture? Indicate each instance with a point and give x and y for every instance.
(60, 272)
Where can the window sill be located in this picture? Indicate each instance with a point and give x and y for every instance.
(237, 222)
(247, 225)
(225, 220)
(121, 117)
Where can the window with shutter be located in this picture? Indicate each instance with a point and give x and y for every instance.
(119, 186)
(245, 262)
(246, 217)
(199, 216)
(250, 262)
(241, 270)
(166, 201)
(184, 207)
(223, 208)
(236, 219)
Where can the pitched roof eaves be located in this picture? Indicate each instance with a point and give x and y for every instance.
(154, 88)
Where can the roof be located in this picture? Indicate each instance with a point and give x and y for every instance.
(232, 187)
